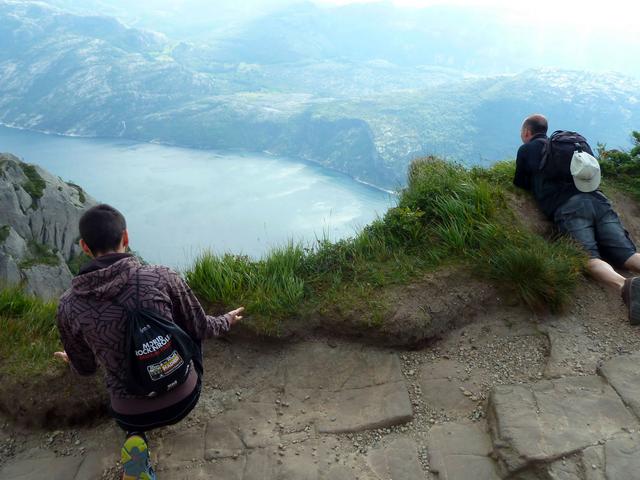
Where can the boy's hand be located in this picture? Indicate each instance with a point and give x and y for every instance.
(62, 355)
(235, 315)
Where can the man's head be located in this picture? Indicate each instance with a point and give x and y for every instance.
(533, 125)
(103, 230)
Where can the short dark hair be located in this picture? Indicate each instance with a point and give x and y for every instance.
(536, 124)
(101, 228)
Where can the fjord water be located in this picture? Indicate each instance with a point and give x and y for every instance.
(179, 201)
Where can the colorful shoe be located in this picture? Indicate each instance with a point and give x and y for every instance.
(631, 297)
(135, 459)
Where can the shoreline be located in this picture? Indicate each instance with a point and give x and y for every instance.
(393, 193)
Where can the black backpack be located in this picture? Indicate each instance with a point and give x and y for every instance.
(558, 151)
(158, 352)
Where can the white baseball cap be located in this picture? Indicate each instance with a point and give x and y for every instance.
(586, 172)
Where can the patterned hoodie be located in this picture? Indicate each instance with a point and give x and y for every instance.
(92, 326)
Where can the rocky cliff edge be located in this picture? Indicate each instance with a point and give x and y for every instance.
(39, 216)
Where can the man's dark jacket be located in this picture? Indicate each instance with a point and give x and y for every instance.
(549, 193)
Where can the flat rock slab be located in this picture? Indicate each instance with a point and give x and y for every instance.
(622, 457)
(623, 373)
(182, 448)
(398, 460)
(251, 425)
(461, 452)
(366, 408)
(46, 467)
(617, 459)
(315, 461)
(95, 463)
(552, 419)
(593, 463)
(444, 384)
(344, 389)
(572, 350)
(319, 366)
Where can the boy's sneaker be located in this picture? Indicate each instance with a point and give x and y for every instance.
(135, 459)
(631, 297)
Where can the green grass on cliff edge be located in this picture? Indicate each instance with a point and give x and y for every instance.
(621, 170)
(447, 215)
(28, 333)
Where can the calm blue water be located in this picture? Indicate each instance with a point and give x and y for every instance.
(179, 201)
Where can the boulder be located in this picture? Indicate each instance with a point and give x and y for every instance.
(534, 426)
(46, 281)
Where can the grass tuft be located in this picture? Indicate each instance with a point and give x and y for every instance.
(621, 169)
(28, 333)
(5, 230)
(270, 288)
(81, 195)
(39, 254)
(34, 185)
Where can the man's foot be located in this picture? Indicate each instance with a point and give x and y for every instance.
(135, 459)
(631, 298)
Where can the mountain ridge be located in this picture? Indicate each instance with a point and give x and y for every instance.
(67, 81)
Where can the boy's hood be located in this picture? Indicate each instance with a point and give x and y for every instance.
(105, 277)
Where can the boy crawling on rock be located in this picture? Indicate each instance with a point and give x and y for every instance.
(92, 320)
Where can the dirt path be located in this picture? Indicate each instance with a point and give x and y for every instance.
(331, 409)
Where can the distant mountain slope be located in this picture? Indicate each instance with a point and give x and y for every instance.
(94, 76)
(477, 121)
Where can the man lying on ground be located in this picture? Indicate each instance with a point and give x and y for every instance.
(157, 382)
(571, 200)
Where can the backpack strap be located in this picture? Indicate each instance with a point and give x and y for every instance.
(138, 288)
(546, 152)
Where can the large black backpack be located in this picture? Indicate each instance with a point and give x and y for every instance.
(158, 352)
(558, 151)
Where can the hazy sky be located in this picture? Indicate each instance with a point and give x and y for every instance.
(611, 15)
(603, 14)
(609, 25)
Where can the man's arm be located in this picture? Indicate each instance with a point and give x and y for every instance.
(522, 177)
(189, 314)
(76, 350)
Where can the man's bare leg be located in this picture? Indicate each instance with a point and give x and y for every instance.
(633, 264)
(605, 274)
